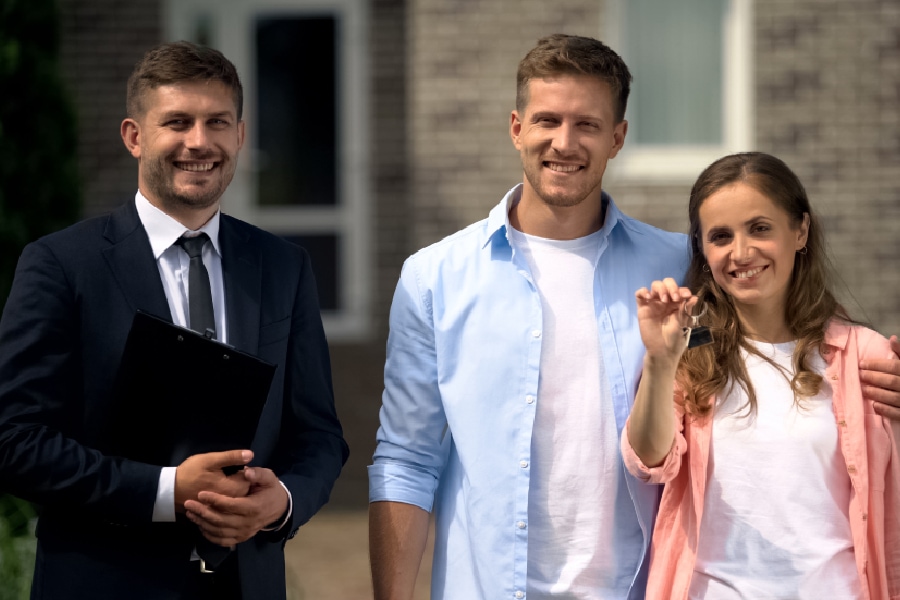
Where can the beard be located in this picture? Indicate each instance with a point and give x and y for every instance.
(558, 196)
(159, 174)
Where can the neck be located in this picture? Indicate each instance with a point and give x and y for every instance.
(761, 325)
(534, 216)
(195, 219)
(192, 217)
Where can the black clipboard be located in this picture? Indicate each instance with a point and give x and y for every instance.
(179, 393)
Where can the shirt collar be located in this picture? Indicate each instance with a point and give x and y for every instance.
(836, 334)
(498, 219)
(163, 230)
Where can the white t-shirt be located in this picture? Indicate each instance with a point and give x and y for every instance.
(775, 520)
(577, 547)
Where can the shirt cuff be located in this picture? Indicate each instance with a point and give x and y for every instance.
(287, 514)
(164, 507)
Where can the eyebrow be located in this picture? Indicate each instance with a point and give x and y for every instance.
(747, 222)
(550, 113)
(175, 114)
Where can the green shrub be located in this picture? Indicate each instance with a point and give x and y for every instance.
(39, 193)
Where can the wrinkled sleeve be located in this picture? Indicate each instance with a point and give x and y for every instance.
(670, 466)
(412, 439)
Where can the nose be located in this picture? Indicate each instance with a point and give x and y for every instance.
(197, 136)
(564, 139)
(741, 249)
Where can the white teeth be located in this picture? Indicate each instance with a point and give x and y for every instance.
(195, 166)
(563, 168)
(746, 274)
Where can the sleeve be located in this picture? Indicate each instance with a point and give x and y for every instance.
(43, 407)
(311, 450)
(671, 465)
(883, 453)
(413, 438)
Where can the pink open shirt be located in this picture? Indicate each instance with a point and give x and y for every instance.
(868, 442)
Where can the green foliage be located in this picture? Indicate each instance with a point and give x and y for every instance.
(38, 194)
(38, 167)
(17, 547)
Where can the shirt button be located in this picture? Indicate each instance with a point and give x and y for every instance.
(523, 463)
(521, 524)
(536, 333)
(834, 377)
(520, 594)
(851, 469)
(865, 516)
(529, 399)
(842, 423)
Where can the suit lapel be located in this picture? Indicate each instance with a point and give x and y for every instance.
(130, 258)
(242, 274)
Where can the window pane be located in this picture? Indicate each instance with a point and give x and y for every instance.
(323, 252)
(675, 51)
(296, 61)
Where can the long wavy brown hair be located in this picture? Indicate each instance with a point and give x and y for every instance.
(704, 372)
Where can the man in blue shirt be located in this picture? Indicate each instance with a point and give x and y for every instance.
(512, 363)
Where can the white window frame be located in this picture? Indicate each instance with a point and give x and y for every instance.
(232, 33)
(680, 163)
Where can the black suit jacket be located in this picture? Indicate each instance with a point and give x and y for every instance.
(61, 339)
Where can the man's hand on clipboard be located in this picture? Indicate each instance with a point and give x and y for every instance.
(205, 472)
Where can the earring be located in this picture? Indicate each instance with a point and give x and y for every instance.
(706, 268)
(803, 250)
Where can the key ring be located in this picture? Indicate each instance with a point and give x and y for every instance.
(695, 319)
(697, 334)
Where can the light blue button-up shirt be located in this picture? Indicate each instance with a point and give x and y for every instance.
(461, 387)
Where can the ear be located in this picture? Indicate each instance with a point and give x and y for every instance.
(131, 136)
(803, 232)
(240, 131)
(619, 133)
(515, 129)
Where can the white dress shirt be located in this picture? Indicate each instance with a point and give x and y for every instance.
(174, 266)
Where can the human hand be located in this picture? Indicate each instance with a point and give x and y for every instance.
(662, 317)
(203, 472)
(881, 382)
(226, 520)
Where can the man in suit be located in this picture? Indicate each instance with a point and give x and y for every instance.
(113, 527)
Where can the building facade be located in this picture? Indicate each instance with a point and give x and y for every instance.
(378, 127)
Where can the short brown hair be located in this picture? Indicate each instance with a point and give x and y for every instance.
(571, 54)
(176, 62)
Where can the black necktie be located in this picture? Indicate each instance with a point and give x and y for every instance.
(200, 304)
(202, 319)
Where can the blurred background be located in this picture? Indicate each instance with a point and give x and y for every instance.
(376, 127)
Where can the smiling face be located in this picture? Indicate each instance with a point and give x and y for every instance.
(750, 244)
(565, 135)
(187, 143)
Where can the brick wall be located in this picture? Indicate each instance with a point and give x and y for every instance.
(828, 103)
(101, 42)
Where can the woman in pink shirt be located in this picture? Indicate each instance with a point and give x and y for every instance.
(781, 480)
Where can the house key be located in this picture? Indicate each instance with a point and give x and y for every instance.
(697, 334)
